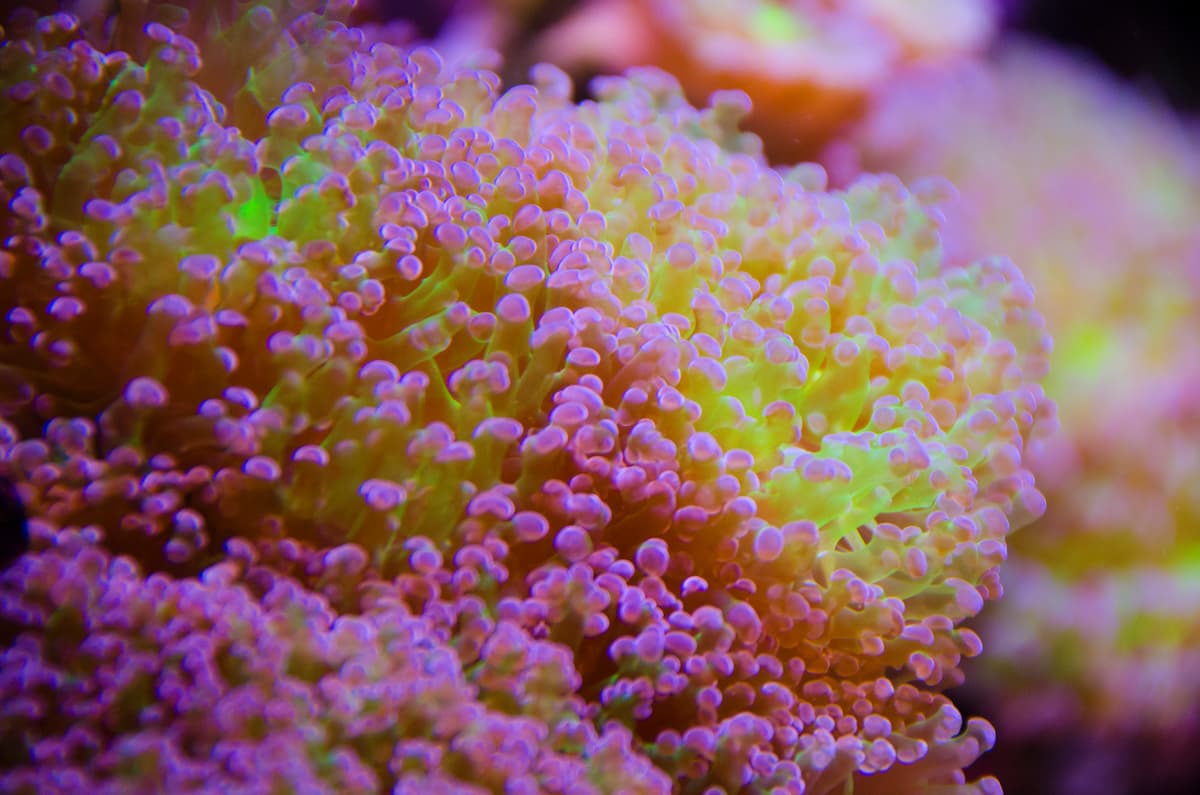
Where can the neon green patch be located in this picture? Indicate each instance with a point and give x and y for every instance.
(1087, 350)
(253, 216)
(775, 24)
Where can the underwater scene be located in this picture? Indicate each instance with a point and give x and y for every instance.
(599, 397)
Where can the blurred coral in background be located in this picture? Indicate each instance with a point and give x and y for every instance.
(382, 428)
(1095, 189)
(809, 66)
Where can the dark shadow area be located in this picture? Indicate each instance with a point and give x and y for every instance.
(1148, 42)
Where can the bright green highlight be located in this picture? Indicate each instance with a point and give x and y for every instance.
(774, 24)
(253, 216)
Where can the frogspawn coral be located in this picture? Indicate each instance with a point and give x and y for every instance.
(1098, 199)
(333, 375)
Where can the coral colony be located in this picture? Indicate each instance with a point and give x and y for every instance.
(383, 430)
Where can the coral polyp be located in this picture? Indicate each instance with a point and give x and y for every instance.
(339, 383)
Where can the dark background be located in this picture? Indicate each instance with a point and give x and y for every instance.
(1151, 42)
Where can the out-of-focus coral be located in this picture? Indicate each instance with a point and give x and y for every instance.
(925, 29)
(809, 66)
(659, 467)
(1096, 190)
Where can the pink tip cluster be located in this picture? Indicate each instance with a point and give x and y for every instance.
(152, 683)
